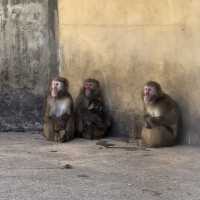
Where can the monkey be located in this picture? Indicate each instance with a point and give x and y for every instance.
(160, 117)
(59, 125)
(92, 119)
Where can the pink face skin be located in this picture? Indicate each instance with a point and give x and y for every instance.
(56, 86)
(149, 93)
(88, 87)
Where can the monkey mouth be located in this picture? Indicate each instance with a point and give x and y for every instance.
(54, 93)
(87, 92)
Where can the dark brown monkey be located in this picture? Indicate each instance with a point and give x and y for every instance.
(92, 121)
(160, 118)
(59, 123)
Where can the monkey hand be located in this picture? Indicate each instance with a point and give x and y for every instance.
(150, 122)
(95, 107)
(91, 106)
(147, 121)
(52, 116)
(147, 125)
(157, 121)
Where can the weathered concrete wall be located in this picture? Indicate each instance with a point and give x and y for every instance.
(28, 57)
(126, 43)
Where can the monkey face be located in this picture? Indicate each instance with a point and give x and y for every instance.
(56, 87)
(150, 93)
(89, 88)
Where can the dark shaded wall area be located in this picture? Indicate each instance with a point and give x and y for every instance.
(28, 59)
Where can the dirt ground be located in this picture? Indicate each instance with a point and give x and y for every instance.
(109, 169)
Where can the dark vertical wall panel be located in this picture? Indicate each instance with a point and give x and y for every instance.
(28, 58)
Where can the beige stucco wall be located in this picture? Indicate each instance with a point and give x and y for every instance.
(124, 43)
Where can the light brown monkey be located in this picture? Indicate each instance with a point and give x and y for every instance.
(160, 117)
(92, 121)
(59, 123)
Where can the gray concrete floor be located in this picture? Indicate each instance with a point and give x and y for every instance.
(32, 168)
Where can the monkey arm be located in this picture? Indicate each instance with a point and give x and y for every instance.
(167, 120)
(169, 112)
(81, 104)
(148, 121)
(157, 121)
(96, 106)
(151, 122)
(60, 122)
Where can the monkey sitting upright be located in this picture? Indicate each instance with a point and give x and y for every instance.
(92, 121)
(59, 120)
(160, 118)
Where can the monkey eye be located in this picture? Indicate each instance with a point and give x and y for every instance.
(88, 85)
(57, 83)
(148, 89)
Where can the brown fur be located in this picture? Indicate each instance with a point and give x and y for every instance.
(59, 122)
(160, 119)
(92, 121)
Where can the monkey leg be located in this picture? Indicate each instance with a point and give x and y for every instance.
(158, 137)
(70, 129)
(59, 136)
(102, 128)
(92, 126)
(79, 126)
(93, 133)
(48, 130)
(98, 134)
(67, 134)
(88, 133)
